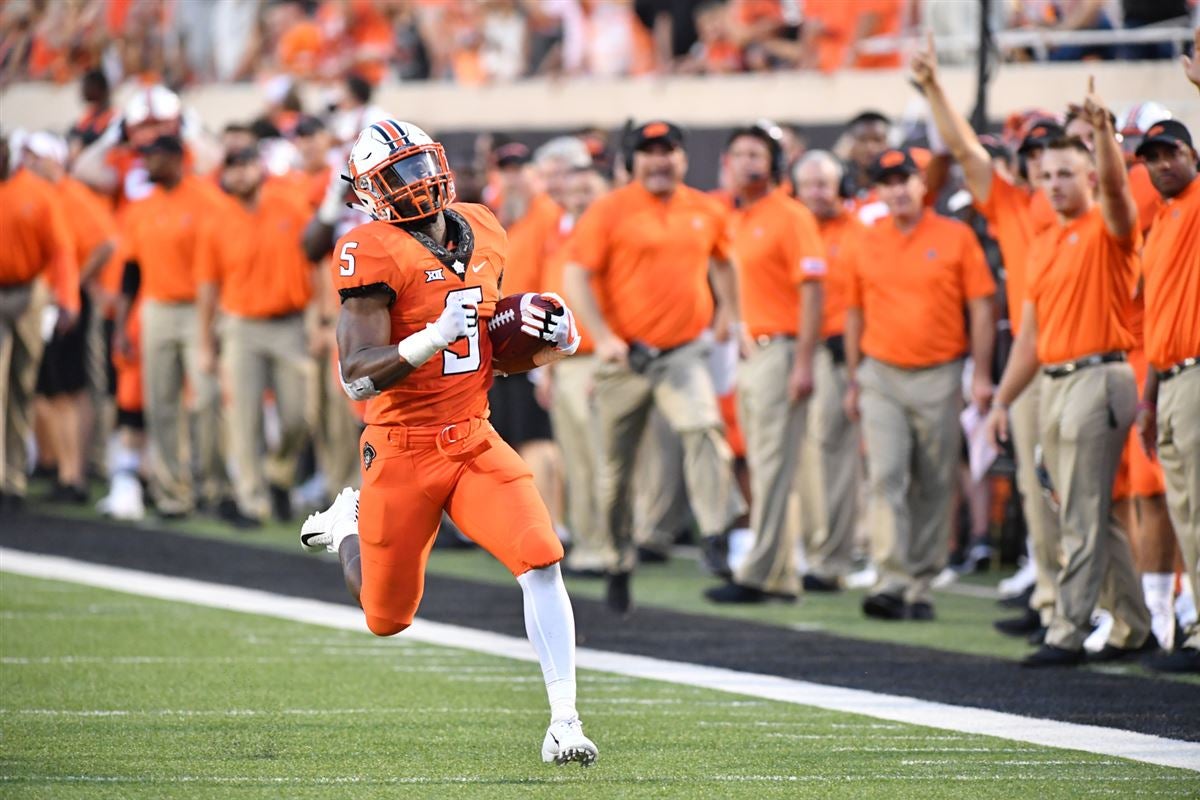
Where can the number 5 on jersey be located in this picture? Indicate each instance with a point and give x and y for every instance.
(452, 362)
(346, 267)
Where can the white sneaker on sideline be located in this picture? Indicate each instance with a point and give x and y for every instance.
(124, 499)
(1096, 640)
(565, 743)
(1019, 581)
(865, 578)
(326, 529)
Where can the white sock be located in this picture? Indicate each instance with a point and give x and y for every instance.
(1185, 605)
(550, 625)
(123, 459)
(1158, 587)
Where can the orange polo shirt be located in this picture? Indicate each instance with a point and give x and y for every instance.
(651, 257)
(529, 241)
(838, 235)
(36, 237)
(1016, 215)
(256, 256)
(161, 234)
(1171, 266)
(1148, 200)
(1081, 283)
(776, 247)
(552, 278)
(912, 288)
(89, 218)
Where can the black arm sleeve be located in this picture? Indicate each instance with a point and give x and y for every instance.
(131, 279)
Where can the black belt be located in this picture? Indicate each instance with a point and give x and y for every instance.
(1071, 367)
(1178, 367)
(15, 287)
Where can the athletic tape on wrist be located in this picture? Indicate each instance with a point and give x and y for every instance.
(421, 346)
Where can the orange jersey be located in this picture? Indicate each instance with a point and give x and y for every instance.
(529, 240)
(257, 257)
(1016, 215)
(452, 386)
(651, 257)
(1081, 284)
(912, 288)
(161, 233)
(36, 237)
(838, 235)
(1171, 266)
(776, 247)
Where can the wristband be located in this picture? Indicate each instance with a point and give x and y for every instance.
(421, 346)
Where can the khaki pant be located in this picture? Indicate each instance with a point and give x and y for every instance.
(1085, 419)
(1045, 545)
(829, 474)
(170, 353)
(256, 355)
(660, 504)
(336, 431)
(1179, 453)
(910, 423)
(774, 431)
(21, 346)
(575, 432)
(680, 386)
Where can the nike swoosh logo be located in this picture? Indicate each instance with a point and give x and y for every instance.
(479, 266)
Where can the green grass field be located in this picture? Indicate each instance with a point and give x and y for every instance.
(109, 695)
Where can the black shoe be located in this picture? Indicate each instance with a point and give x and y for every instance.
(589, 574)
(12, 503)
(616, 594)
(647, 555)
(716, 556)
(66, 494)
(228, 512)
(919, 611)
(1023, 625)
(45, 473)
(884, 606)
(1050, 656)
(815, 583)
(170, 516)
(1017, 600)
(281, 503)
(1185, 660)
(1110, 652)
(739, 593)
(1038, 637)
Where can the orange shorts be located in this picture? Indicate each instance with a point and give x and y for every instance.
(409, 475)
(733, 430)
(1123, 483)
(129, 370)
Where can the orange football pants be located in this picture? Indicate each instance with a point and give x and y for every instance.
(409, 475)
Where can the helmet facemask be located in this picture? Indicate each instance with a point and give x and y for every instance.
(410, 185)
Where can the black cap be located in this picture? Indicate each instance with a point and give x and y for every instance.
(893, 162)
(242, 155)
(1041, 133)
(1169, 131)
(657, 131)
(512, 154)
(308, 125)
(167, 143)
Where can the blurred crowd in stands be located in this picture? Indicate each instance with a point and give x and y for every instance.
(473, 42)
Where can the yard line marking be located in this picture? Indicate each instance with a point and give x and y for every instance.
(1049, 733)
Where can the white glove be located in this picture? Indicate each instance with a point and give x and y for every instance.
(457, 320)
(557, 326)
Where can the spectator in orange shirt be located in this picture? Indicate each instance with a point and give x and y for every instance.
(62, 405)
(159, 238)
(249, 252)
(913, 265)
(780, 263)
(1016, 212)
(37, 241)
(1075, 326)
(652, 245)
(531, 220)
(829, 471)
(1168, 422)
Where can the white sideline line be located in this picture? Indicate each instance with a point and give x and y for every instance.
(1050, 733)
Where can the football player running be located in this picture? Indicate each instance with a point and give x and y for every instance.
(415, 284)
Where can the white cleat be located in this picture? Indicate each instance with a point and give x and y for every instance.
(565, 743)
(326, 529)
(124, 500)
